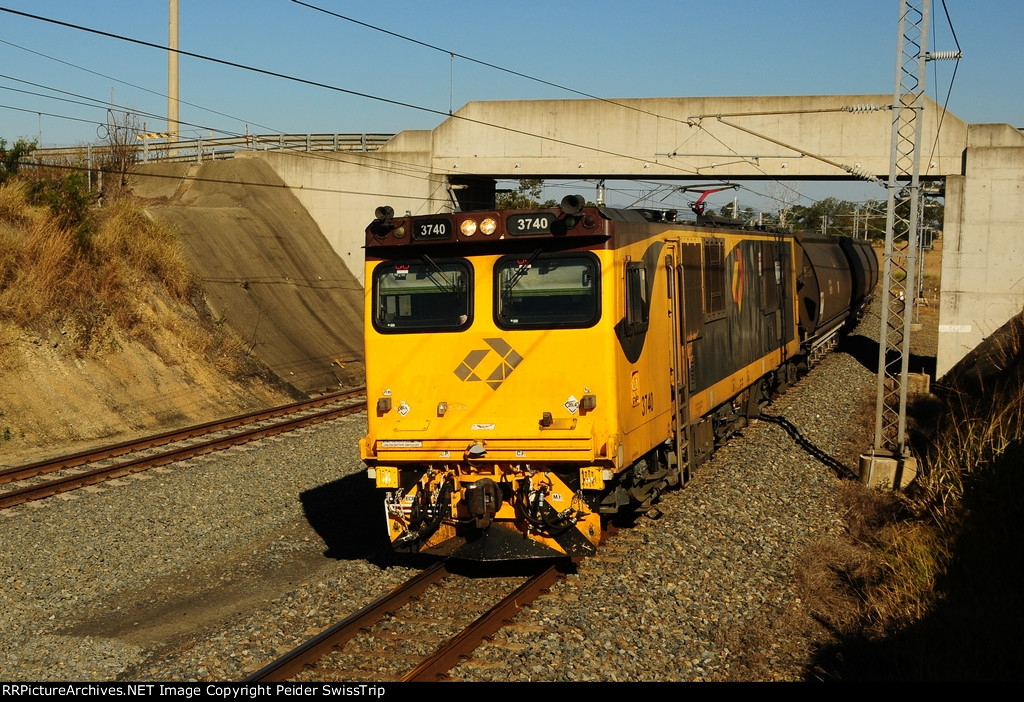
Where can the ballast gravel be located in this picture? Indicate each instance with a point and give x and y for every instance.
(210, 569)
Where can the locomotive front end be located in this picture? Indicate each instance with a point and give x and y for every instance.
(484, 509)
(484, 371)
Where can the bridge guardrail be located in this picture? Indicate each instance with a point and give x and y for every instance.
(199, 149)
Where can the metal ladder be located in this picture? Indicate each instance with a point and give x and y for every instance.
(680, 366)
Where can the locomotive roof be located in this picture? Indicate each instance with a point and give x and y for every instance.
(570, 224)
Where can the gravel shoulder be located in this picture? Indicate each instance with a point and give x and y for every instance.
(210, 569)
(105, 582)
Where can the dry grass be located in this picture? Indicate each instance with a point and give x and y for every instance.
(926, 585)
(15, 211)
(115, 273)
(135, 244)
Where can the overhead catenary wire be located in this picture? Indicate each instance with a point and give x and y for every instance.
(688, 171)
(102, 33)
(134, 85)
(327, 86)
(949, 92)
(487, 64)
(344, 90)
(222, 181)
(452, 54)
(388, 165)
(391, 165)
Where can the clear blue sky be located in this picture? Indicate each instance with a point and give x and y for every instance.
(657, 48)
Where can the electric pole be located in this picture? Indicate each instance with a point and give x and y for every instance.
(172, 75)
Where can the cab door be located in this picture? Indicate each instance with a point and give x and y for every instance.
(644, 333)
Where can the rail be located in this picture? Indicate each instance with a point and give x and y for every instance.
(63, 473)
(434, 665)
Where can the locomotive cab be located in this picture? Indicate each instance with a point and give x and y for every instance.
(531, 373)
(500, 422)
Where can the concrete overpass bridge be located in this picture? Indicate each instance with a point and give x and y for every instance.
(696, 139)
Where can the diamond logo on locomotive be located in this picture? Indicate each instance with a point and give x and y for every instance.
(466, 370)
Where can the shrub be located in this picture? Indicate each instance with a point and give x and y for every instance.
(10, 158)
(67, 196)
(66, 263)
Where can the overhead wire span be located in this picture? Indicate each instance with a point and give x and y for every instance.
(455, 54)
(223, 181)
(137, 87)
(389, 165)
(853, 108)
(335, 88)
(852, 170)
(955, 55)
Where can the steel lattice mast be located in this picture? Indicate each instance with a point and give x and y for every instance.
(901, 230)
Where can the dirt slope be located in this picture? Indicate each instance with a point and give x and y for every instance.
(267, 270)
(55, 399)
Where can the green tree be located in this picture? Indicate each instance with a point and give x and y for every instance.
(10, 158)
(526, 196)
(933, 214)
(828, 215)
(726, 210)
(735, 210)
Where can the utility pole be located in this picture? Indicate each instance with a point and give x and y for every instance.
(172, 75)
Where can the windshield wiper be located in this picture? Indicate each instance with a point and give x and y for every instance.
(520, 272)
(452, 288)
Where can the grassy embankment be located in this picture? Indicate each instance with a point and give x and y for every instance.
(96, 275)
(927, 586)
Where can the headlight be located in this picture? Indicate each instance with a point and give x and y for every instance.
(468, 227)
(488, 226)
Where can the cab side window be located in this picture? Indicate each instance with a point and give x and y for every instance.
(714, 279)
(638, 305)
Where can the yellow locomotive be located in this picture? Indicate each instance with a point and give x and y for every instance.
(531, 373)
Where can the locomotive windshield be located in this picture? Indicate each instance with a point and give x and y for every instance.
(553, 291)
(424, 295)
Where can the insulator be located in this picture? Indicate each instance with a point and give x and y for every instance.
(861, 173)
(864, 108)
(942, 55)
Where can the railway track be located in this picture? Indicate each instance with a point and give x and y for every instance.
(418, 631)
(65, 473)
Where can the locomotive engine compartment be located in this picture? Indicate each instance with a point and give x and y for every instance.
(531, 374)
